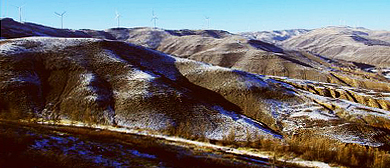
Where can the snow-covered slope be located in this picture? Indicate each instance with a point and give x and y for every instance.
(251, 55)
(275, 36)
(346, 43)
(117, 83)
(223, 49)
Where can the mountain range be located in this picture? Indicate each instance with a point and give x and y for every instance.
(202, 83)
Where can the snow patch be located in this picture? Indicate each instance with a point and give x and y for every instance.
(110, 56)
(349, 138)
(141, 75)
(241, 122)
(41, 144)
(28, 78)
(145, 79)
(144, 120)
(314, 114)
(87, 78)
(11, 48)
(86, 83)
(142, 155)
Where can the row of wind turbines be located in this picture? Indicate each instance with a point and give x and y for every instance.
(60, 15)
(154, 19)
(117, 17)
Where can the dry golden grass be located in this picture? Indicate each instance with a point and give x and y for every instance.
(378, 122)
(304, 146)
(321, 149)
(186, 130)
(3, 42)
(252, 105)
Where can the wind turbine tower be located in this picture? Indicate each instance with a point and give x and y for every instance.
(154, 19)
(20, 12)
(62, 18)
(207, 21)
(117, 16)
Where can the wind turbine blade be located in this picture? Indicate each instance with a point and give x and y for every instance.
(24, 4)
(19, 6)
(57, 13)
(63, 13)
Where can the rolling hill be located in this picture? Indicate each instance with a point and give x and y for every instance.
(275, 36)
(229, 50)
(345, 43)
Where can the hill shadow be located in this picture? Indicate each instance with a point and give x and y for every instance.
(156, 62)
(265, 46)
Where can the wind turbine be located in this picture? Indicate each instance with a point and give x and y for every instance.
(154, 19)
(207, 21)
(117, 16)
(20, 11)
(62, 18)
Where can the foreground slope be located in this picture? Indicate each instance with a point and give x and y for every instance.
(62, 147)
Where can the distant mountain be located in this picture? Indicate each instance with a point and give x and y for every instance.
(255, 56)
(274, 36)
(345, 43)
(13, 29)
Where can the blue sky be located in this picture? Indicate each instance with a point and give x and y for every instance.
(230, 15)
